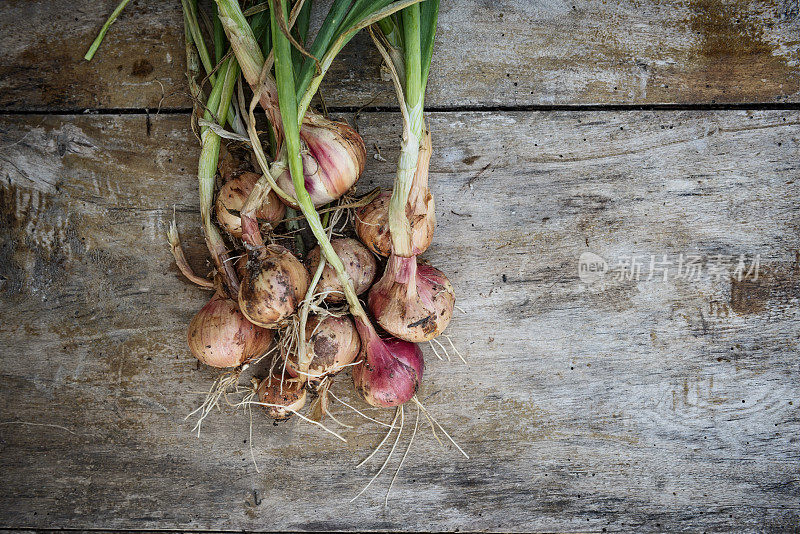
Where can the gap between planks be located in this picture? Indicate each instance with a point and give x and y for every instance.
(741, 106)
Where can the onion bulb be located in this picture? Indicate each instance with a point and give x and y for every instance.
(413, 302)
(359, 264)
(284, 396)
(221, 336)
(273, 286)
(333, 159)
(232, 196)
(390, 371)
(372, 220)
(332, 342)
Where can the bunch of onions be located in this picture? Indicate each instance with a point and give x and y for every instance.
(316, 161)
(232, 196)
(220, 335)
(333, 344)
(359, 264)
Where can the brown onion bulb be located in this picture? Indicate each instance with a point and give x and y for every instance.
(232, 196)
(372, 220)
(359, 264)
(332, 343)
(284, 398)
(275, 284)
(390, 371)
(220, 335)
(333, 159)
(413, 302)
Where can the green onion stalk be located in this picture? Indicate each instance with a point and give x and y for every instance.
(192, 25)
(100, 36)
(408, 50)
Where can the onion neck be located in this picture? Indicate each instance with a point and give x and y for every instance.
(242, 39)
(404, 271)
(251, 234)
(399, 226)
(368, 335)
(419, 187)
(413, 129)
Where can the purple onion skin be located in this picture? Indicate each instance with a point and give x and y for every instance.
(391, 369)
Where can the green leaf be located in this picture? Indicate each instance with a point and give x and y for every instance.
(300, 33)
(322, 41)
(429, 16)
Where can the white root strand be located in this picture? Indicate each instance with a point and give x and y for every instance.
(365, 416)
(389, 433)
(418, 403)
(389, 457)
(403, 459)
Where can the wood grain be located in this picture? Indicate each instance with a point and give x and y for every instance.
(487, 54)
(619, 405)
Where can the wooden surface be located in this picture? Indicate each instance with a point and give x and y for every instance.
(620, 405)
(487, 54)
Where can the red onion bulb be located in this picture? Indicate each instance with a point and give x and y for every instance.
(333, 159)
(390, 371)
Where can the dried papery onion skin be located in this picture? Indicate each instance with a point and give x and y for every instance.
(221, 336)
(231, 198)
(359, 263)
(390, 370)
(413, 302)
(372, 220)
(274, 285)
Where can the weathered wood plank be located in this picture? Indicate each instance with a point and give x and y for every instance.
(622, 405)
(487, 54)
